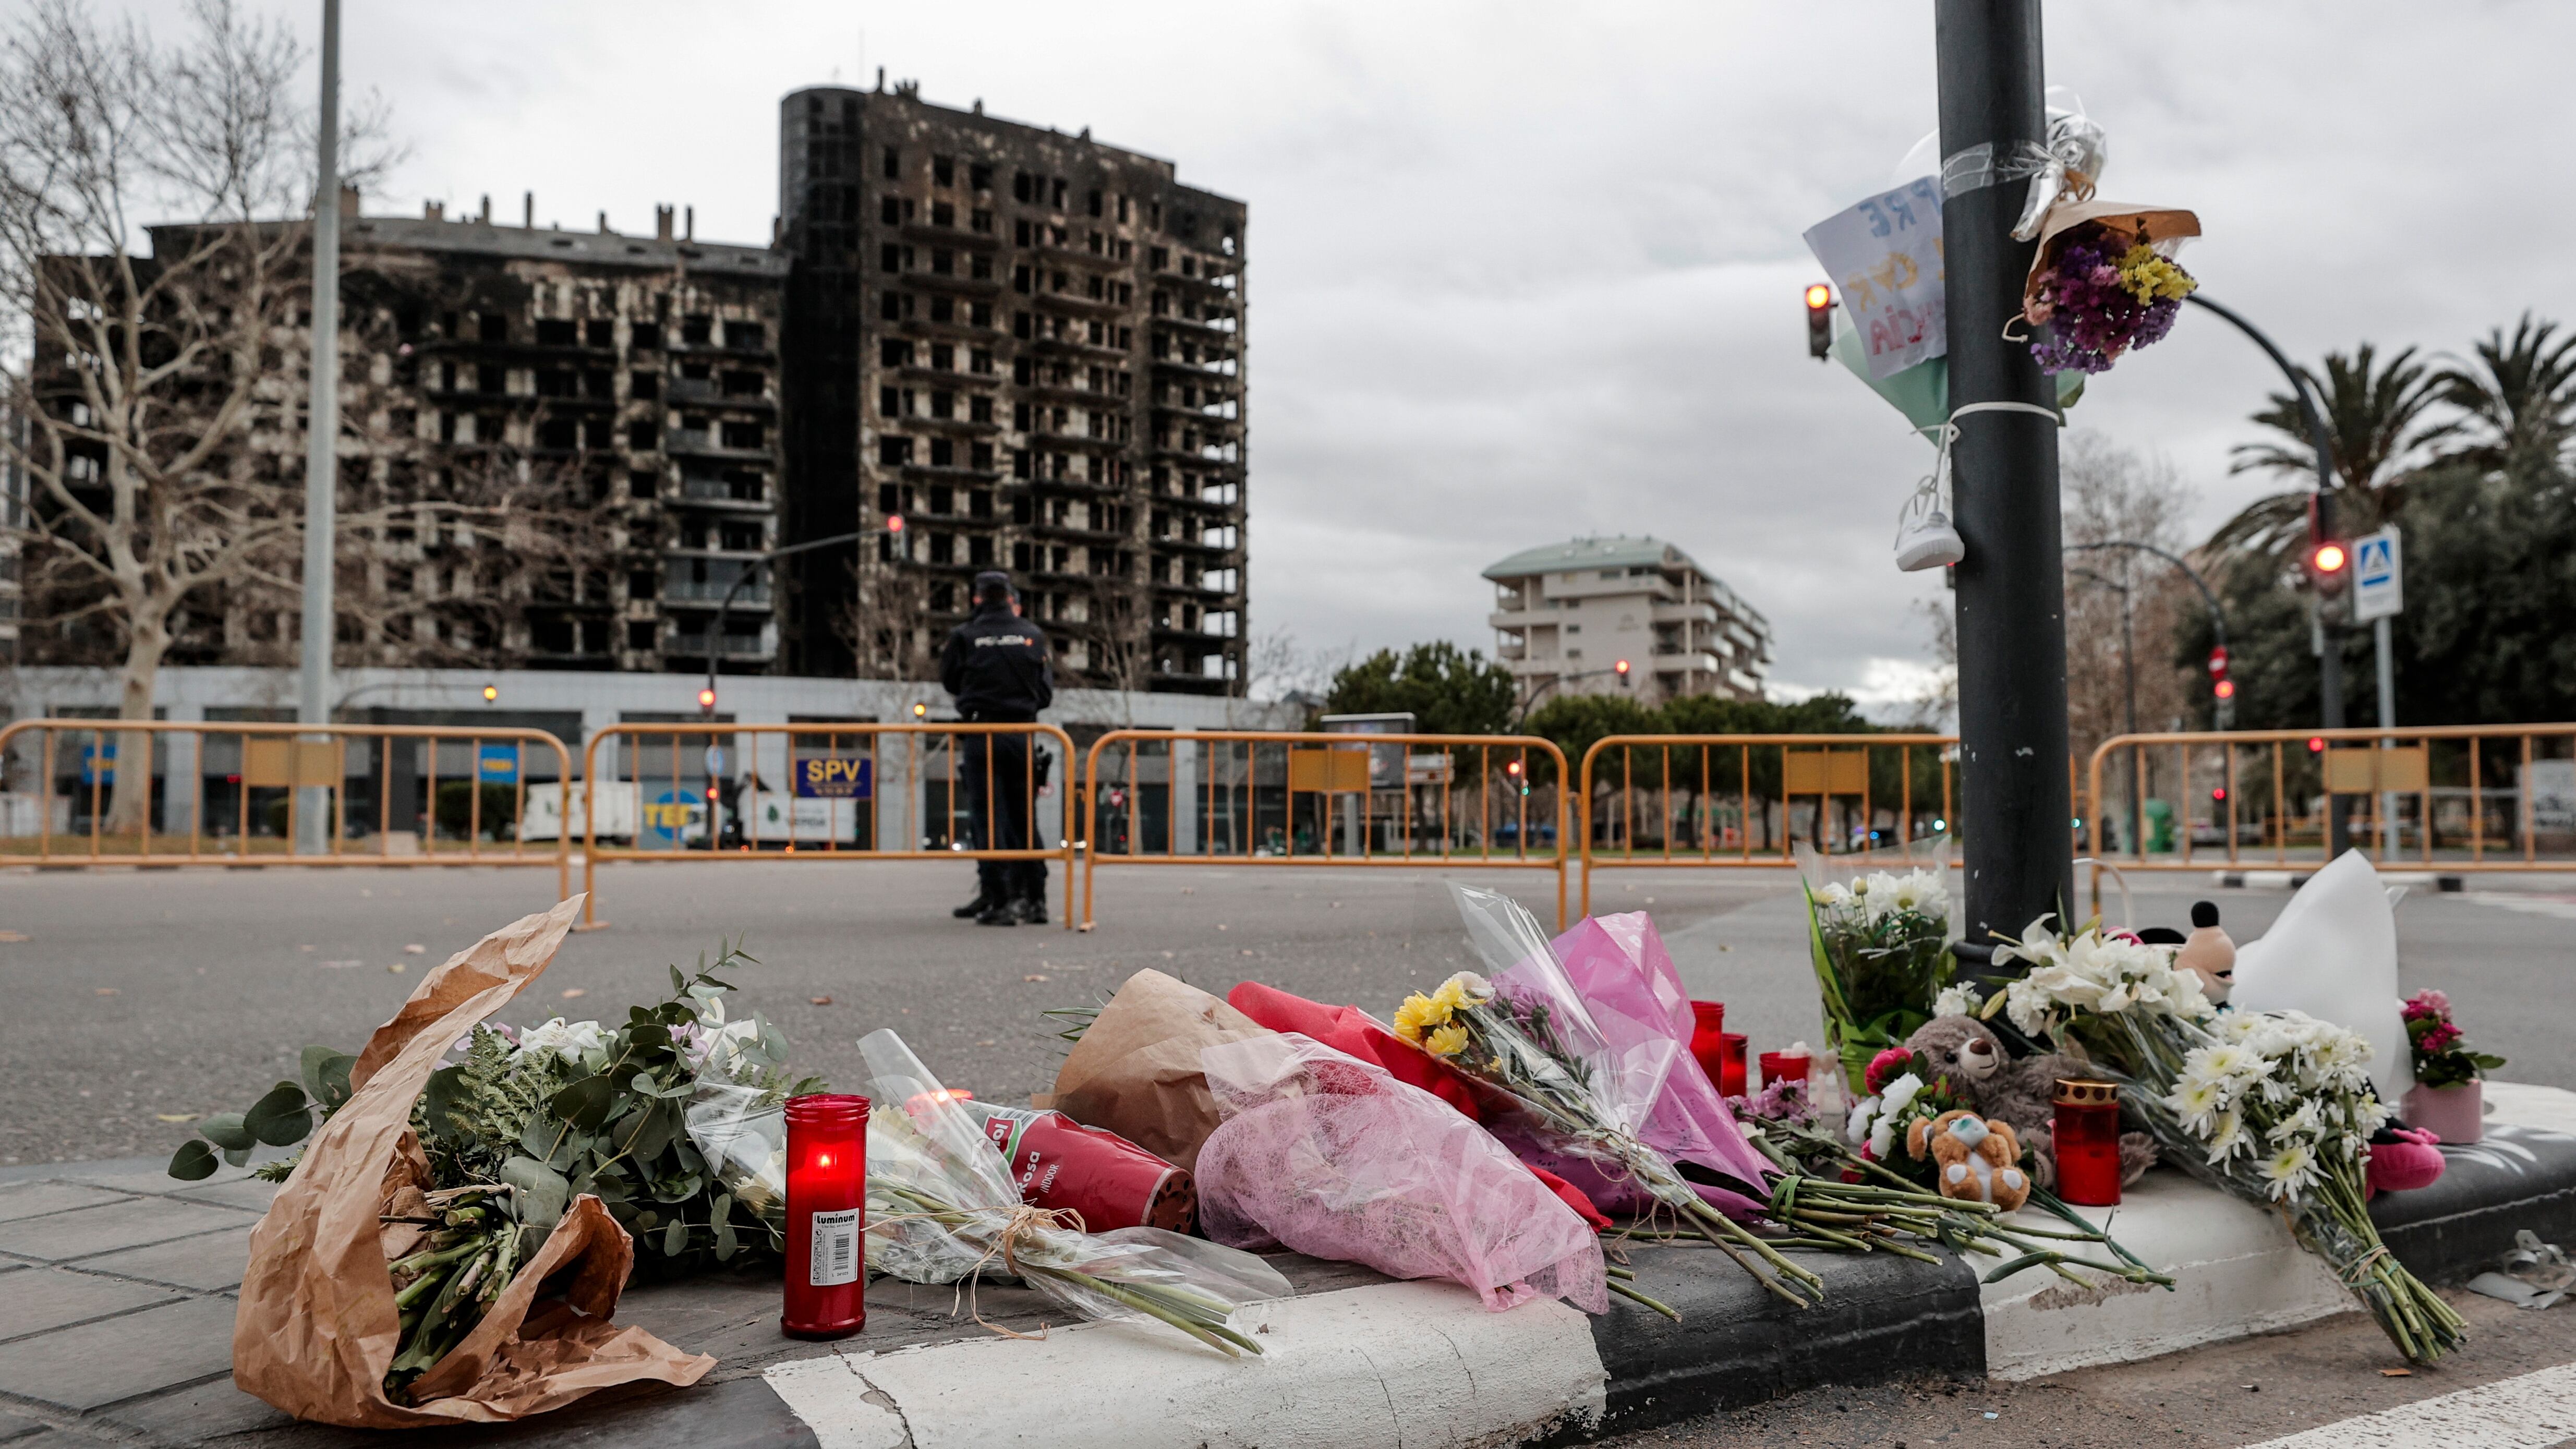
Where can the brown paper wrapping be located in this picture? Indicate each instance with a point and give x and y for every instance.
(1136, 1069)
(317, 1327)
(2137, 223)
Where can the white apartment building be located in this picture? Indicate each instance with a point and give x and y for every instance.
(1565, 615)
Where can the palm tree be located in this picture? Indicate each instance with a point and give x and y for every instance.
(2376, 438)
(2518, 398)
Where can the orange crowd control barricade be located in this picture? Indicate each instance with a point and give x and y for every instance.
(236, 793)
(1747, 801)
(814, 791)
(2449, 798)
(1273, 798)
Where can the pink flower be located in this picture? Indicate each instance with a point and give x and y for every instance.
(2427, 1003)
(1886, 1067)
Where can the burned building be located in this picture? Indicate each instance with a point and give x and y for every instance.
(1029, 347)
(645, 367)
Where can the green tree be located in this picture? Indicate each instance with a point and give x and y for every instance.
(2377, 435)
(1447, 690)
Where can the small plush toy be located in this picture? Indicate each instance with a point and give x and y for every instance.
(2209, 953)
(1974, 1156)
(1967, 1058)
(2401, 1160)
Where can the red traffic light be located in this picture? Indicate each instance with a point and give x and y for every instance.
(1513, 768)
(894, 523)
(2218, 793)
(2328, 558)
(1621, 666)
(2316, 744)
(2224, 689)
(1820, 321)
(1819, 297)
(707, 698)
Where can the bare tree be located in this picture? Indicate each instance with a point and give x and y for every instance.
(2111, 493)
(885, 622)
(154, 368)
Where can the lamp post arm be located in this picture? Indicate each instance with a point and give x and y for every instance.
(2301, 387)
(724, 606)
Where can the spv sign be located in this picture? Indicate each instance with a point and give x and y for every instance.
(828, 777)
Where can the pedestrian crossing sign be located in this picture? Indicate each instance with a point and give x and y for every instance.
(2378, 576)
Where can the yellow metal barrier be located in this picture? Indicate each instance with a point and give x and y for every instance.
(2473, 798)
(825, 801)
(1870, 775)
(1266, 798)
(274, 764)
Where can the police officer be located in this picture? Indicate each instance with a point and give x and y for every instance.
(998, 667)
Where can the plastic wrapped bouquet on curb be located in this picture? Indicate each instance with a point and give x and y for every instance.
(942, 1208)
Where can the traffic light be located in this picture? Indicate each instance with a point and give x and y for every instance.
(894, 523)
(2217, 794)
(1820, 321)
(2316, 744)
(919, 710)
(1518, 776)
(2329, 563)
(707, 697)
(1622, 668)
(491, 694)
(2219, 684)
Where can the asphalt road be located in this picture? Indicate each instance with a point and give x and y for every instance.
(135, 997)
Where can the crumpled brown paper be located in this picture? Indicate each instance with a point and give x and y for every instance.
(2150, 224)
(1136, 1069)
(317, 1326)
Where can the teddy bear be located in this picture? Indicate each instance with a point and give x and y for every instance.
(1974, 1158)
(1965, 1057)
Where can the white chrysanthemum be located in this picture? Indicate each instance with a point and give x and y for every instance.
(2226, 1137)
(1832, 894)
(1900, 1095)
(2027, 1005)
(2196, 1100)
(1955, 1001)
(1856, 1127)
(2223, 1060)
(2289, 1170)
(2302, 1124)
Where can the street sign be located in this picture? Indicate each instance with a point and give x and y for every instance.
(830, 777)
(499, 765)
(715, 762)
(2378, 576)
(98, 764)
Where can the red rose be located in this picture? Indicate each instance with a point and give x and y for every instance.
(1886, 1067)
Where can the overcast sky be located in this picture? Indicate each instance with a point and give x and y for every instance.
(1522, 271)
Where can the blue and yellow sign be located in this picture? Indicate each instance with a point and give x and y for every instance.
(98, 764)
(671, 818)
(828, 777)
(499, 765)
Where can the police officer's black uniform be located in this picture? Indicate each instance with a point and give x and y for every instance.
(998, 667)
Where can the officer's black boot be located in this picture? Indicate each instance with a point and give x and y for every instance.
(973, 908)
(998, 913)
(1031, 910)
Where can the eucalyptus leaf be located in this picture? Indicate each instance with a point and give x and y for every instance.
(225, 1130)
(542, 1191)
(438, 1100)
(586, 1103)
(675, 1238)
(282, 1118)
(326, 1076)
(237, 1156)
(193, 1160)
(725, 1241)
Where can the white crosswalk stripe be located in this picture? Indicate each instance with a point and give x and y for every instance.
(2533, 1411)
(2562, 907)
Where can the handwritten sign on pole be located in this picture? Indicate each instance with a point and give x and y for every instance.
(1884, 256)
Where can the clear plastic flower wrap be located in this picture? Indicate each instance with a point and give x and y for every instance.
(742, 1133)
(942, 1208)
(1333, 1157)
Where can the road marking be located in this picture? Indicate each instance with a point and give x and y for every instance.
(2529, 1412)
(2562, 907)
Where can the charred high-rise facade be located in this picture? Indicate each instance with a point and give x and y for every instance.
(1029, 347)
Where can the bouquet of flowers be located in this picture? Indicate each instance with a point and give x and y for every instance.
(523, 1121)
(2275, 1107)
(1882, 954)
(942, 1208)
(2440, 1060)
(2099, 292)
(1528, 1033)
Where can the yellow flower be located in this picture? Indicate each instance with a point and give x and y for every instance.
(1448, 1041)
(2151, 278)
(1451, 996)
(1418, 1014)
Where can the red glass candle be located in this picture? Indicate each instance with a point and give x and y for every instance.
(1730, 1076)
(2088, 1142)
(827, 1174)
(1785, 1066)
(1708, 1037)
